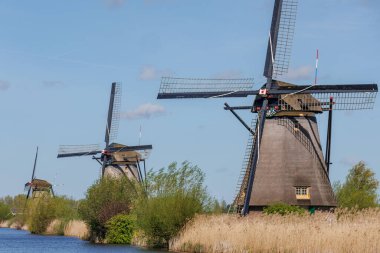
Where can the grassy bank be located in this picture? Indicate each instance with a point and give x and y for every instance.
(323, 232)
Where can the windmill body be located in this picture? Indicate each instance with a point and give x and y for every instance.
(115, 159)
(283, 161)
(291, 158)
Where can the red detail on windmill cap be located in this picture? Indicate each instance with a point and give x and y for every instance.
(263, 91)
(104, 151)
(276, 107)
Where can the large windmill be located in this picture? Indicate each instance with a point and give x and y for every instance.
(284, 161)
(115, 159)
(38, 187)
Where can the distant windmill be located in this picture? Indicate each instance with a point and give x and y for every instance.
(38, 187)
(284, 160)
(116, 159)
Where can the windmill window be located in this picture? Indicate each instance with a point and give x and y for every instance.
(302, 192)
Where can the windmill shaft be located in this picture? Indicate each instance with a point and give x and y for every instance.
(104, 165)
(255, 157)
(256, 149)
(328, 142)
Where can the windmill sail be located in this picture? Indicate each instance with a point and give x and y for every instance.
(113, 118)
(204, 88)
(281, 38)
(309, 98)
(78, 150)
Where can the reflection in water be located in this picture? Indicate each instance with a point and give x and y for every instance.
(22, 241)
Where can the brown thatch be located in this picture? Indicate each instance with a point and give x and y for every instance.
(39, 183)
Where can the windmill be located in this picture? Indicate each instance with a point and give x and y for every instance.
(38, 187)
(284, 161)
(115, 159)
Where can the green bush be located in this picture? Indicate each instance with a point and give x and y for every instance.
(42, 211)
(5, 212)
(106, 198)
(40, 216)
(173, 196)
(120, 229)
(283, 209)
(359, 190)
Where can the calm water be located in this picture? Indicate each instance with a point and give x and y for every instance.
(22, 241)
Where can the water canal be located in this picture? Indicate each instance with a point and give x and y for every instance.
(22, 241)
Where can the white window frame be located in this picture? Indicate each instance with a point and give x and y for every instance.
(302, 192)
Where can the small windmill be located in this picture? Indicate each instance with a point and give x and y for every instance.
(38, 187)
(284, 160)
(115, 159)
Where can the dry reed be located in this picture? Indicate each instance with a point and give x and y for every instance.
(4, 224)
(342, 231)
(53, 227)
(76, 228)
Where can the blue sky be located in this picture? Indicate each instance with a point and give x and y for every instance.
(58, 59)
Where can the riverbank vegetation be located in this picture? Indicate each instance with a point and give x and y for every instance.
(342, 231)
(105, 199)
(43, 215)
(172, 209)
(353, 227)
(150, 213)
(172, 197)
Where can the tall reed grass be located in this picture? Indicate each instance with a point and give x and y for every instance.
(77, 228)
(342, 231)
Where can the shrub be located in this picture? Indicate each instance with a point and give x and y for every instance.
(39, 216)
(283, 209)
(120, 229)
(173, 196)
(106, 198)
(42, 211)
(5, 212)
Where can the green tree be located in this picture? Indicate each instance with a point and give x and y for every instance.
(173, 196)
(359, 189)
(106, 198)
(5, 212)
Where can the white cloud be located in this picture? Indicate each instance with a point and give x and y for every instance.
(300, 74)
(144, 111)
(149, 72)
(4, 85)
